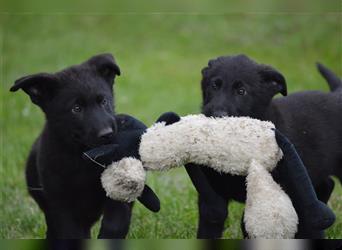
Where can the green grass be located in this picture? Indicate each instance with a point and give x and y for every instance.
(161, 57)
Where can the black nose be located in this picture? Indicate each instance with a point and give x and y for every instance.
(106, 133)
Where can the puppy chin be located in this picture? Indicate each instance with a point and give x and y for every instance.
(220, 113)
(216, 113)
(207, 112)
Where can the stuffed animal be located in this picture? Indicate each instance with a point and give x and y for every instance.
(234, 145)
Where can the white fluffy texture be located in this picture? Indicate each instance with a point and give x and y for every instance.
(226, 144)
(124, 180)
(234, 145)
(269, 212)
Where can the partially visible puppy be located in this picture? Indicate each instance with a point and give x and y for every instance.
(334, 82)
(79, 109)
(238, 86)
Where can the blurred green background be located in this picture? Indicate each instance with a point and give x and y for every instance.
(317, 6)
(160, 55)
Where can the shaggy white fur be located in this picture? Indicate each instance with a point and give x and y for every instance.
(234, 145)
(269, 212)
(226, 144)
(124, 180)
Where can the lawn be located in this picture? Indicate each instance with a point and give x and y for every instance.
(161, 56)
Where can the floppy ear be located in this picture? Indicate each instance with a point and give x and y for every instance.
(106, 66)
(275, 79)
(205, 70)
(205, 75)
(39, 87)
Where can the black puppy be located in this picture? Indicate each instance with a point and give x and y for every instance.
(79, 109)
(238, 86)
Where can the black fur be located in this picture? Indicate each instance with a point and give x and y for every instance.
(79, 110)
(333, 80)
(238, 86)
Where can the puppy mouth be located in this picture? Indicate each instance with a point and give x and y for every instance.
(218, 113)
(95, 144)
(85, 144)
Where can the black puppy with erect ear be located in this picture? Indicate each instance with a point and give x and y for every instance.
(78, 104)
(239, 86)
(78, 101)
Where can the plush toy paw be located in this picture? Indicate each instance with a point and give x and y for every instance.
(318, 216)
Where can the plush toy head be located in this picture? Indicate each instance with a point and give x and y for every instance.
(234, 145)
(125, 179)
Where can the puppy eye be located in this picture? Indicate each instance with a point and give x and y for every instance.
(241, 91)
(216, 84)
(76, 108)
(104, 102)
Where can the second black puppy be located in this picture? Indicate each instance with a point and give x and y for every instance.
(238, 86)
(79, 109)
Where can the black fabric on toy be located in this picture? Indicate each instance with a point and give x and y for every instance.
(169, 118)
(126, 143)
(314, 215)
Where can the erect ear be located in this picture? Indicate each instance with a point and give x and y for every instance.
(275, 79)
(39, 87)
(106, 66)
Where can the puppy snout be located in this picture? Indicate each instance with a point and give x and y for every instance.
(114, 126)
(106, 133)
(220, 113)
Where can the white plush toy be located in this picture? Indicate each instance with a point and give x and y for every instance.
(234, 145)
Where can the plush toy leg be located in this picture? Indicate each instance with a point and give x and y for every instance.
(269, 212)
(149, 199)
(313, 214)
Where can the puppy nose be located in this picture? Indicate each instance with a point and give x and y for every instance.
(105, 133)
(220, 113)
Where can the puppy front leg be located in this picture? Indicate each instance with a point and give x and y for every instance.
(116, 219)
(212, 216)
(61, 224)
(212, 207)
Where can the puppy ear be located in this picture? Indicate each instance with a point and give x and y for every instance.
(275, 79)
(205, 70)
(106, 66)
(39, 87)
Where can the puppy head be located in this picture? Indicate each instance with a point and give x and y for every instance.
(238, 86)
(77, 101)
